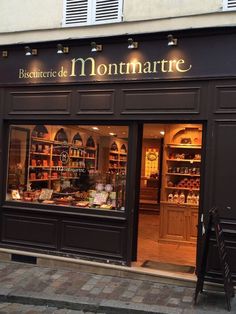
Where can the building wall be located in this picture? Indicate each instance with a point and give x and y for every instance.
(35, 20)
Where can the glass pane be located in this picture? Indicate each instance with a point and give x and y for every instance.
(79, 166)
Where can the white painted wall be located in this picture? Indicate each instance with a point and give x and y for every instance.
(41, 20)
(18, 15)
(152, 9)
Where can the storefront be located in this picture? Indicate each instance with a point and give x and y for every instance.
(83, 154)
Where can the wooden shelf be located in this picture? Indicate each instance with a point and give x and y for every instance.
(37, 153)
(40, 167)
(183, 174)
(188, 146)
(43, 140)
(180, 188)
(35, 180)
(184, 160)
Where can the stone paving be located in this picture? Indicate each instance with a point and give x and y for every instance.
(68, 291)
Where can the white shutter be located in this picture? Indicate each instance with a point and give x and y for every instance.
(87, 12)
(229, 5)
(107, 11)
(75, 12)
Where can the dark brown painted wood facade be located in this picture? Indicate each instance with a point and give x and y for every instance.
(103, 236)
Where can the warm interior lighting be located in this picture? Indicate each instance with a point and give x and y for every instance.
(95, 47)
(30, 52)
(171, 40)
(112, 134)
(95, 128)
(132, 44)
(162, 132)
(61, 49)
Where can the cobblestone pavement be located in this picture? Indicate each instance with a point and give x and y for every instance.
(17, 308)
(68, 291)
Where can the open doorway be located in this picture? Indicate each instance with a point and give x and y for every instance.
(169, 197)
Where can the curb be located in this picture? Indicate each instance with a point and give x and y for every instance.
(125, 307)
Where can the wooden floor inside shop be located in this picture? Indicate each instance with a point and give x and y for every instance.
(149, 249)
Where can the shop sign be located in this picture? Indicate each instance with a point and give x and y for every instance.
(89, 67)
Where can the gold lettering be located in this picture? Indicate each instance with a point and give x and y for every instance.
(179, 62)
(121, 64)
(82, 63)
(114, 65)
(163, 63)
(134, 65)
(147, 67)
(155, 63)
(171, 62)
(102, 69)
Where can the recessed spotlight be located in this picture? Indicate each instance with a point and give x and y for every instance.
(162, 132)
(112, 134)
(95, 128)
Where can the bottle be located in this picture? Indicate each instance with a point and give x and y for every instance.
(197, 199)
(194, 199)
(170, 198)
(189, 198)
(182, 198)
(176, 197)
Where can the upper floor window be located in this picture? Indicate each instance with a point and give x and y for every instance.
(88, 12)
(229, 5)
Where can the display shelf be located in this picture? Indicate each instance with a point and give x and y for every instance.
(182, 174)
(36, 180)
(188, 146)
(86, 154)
(180, 188)
(38, 153)
(184, 160)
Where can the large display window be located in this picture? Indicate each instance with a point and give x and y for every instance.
(81, 166)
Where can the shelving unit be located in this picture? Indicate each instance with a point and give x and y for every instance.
(118, 158)
(181, 186)
(52, 160)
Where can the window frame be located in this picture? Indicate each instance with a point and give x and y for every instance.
(91, 15)
(55, 208)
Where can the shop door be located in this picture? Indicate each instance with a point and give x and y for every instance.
(169, 195)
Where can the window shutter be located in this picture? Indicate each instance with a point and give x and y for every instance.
(75, 12)
(87, 12)
(229, 5)
(108, 11)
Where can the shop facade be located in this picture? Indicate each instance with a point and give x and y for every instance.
(50, 105)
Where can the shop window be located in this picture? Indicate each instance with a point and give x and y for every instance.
(229, 5)
(78, 166)
(88, 12)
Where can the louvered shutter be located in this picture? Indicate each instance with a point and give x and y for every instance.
(85, 12)
(75, 12)
(108, 11)
(229, 5)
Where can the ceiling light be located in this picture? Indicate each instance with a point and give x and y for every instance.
(95, 47)
(112, 134)
(61, 49)
(162, 132)
(171, 40)
(30, 52)
(132, 44)
(95, 128)
(4, 53)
